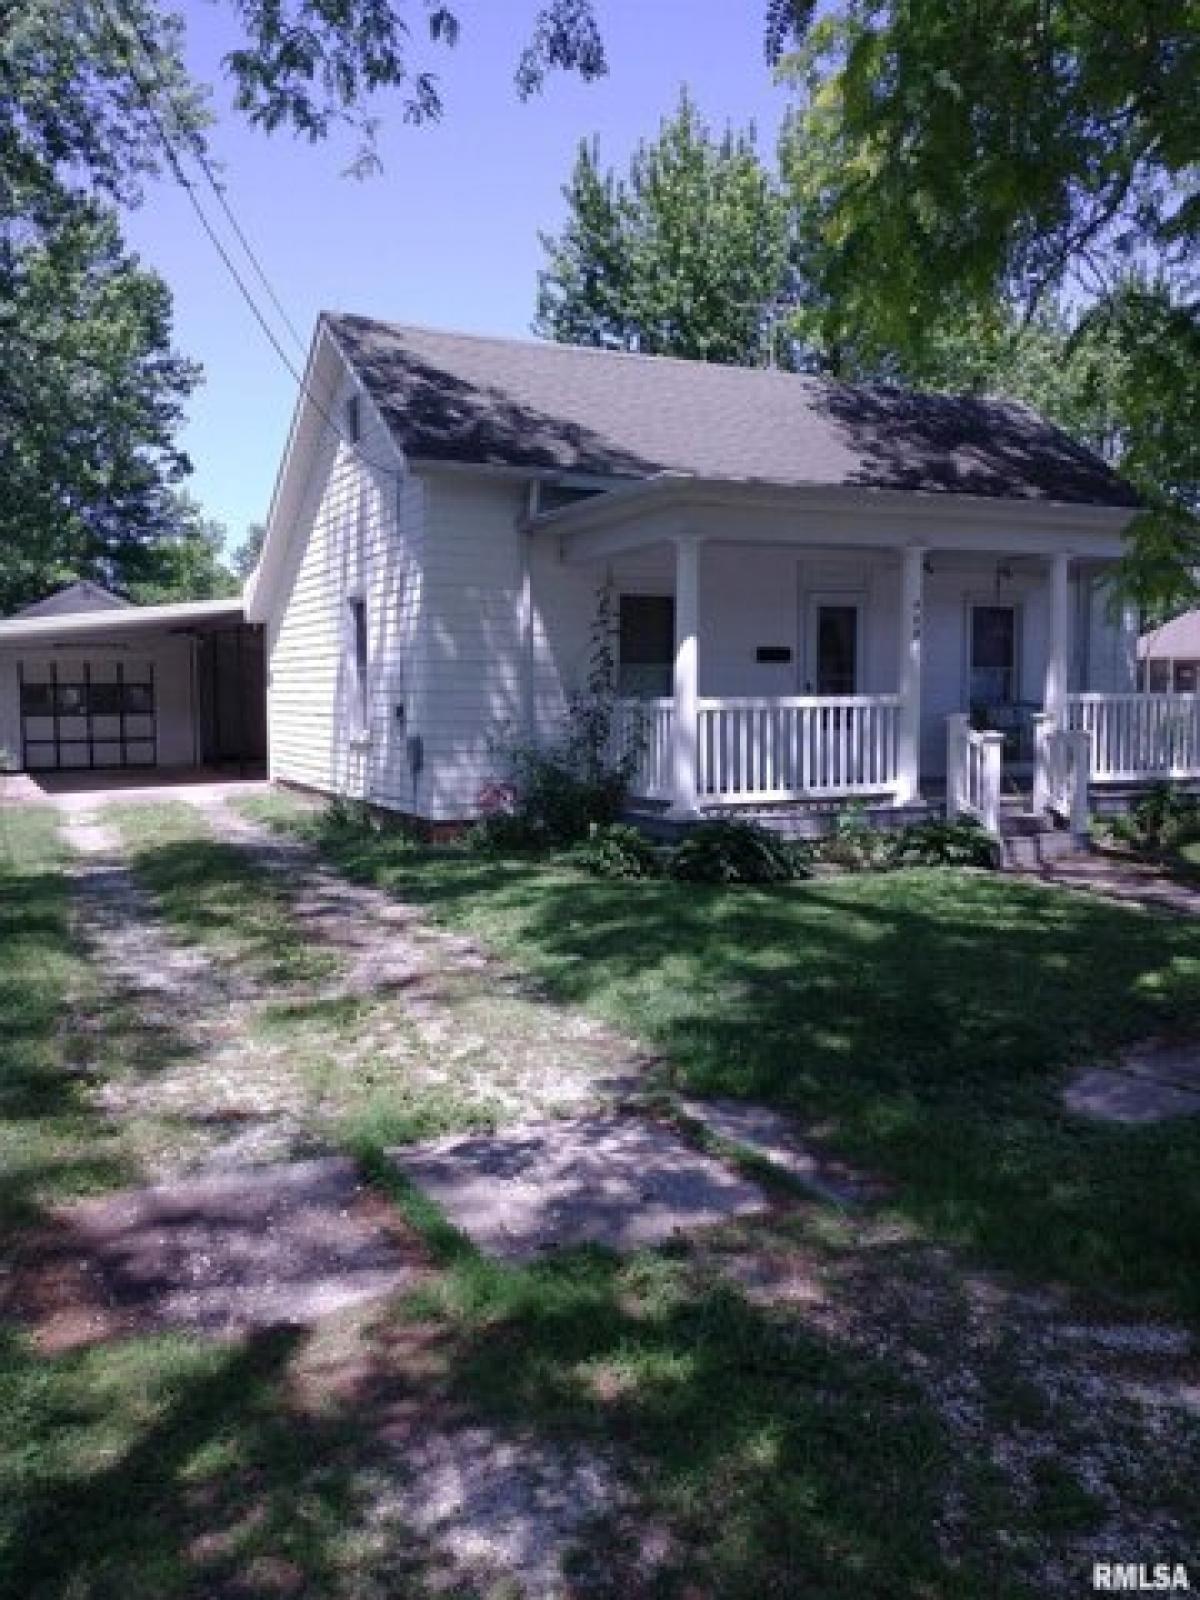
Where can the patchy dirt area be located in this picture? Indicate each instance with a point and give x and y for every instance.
(1121, 878)
(162, 1034)
(469, 1025)
(1079, 1421)
(218, 1255)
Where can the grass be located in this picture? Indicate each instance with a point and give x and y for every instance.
(761, 1453)
(212, 895)
(51, 1145)
(922, 1024)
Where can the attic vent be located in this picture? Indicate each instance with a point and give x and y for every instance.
(353, 419)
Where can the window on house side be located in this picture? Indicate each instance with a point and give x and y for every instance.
(358, 637)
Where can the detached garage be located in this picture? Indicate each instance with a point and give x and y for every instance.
(89, 682)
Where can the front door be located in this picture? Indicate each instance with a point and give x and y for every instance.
(993, 677)
(834, 644)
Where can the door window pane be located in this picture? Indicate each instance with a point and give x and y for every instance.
(37, 699)
(647, 645)
(138, 697)
(71, 699)
(837, 649)
(993, 655)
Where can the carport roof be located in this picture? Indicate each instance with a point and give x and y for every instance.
(117, 623)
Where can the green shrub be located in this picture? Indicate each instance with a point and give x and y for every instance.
(943, 844)
(504, 832)
(616, 850)
(1160, 821)
(854, 844)
(734, 852)
(562, 800)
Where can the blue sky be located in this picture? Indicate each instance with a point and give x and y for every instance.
(447, 234)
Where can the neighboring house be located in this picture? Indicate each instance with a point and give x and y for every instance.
(1169, 656)
(808, 579)
(89, 681)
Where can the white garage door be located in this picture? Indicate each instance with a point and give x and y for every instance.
(91, 713)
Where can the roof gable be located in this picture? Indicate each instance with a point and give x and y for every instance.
(81, 596)
(545, 407)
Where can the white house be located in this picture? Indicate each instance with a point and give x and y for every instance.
(821, 591)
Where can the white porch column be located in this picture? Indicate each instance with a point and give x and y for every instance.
(1058, 641)
(908, 752)
(685, 797)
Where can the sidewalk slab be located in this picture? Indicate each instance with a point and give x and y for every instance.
(608, 1179)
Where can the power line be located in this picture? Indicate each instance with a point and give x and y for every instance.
(230, 265)
(195, 145)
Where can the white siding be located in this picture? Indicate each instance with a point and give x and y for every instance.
(357, 535)
(472, 652)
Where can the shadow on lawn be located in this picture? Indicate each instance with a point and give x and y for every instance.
(922, 1022)
(765, 1458)
(164, 1469)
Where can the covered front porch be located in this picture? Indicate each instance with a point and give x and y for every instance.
(802, 651)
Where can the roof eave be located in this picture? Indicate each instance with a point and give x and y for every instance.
(672, 488)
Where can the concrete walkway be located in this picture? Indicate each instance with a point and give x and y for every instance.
(1118, 878)
(1153, 1082)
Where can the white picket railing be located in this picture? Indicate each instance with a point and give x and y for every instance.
(644, 728)
(1139, 735)
(1062, 771)
(794, 748)
(973, 759)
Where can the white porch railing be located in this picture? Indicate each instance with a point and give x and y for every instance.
(1061, 772)
(645, 727)
(762, 750)
(973, 772)
(758, 751)
(1139, 735)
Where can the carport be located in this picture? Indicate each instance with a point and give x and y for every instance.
(89, 682)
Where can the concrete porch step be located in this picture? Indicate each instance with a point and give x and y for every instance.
(1027, 850)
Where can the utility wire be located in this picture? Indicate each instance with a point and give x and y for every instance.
(188, 187)
(149, 54)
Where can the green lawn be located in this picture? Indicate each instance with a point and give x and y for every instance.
(921, 1023)
(763, 1452)
(51, 1142)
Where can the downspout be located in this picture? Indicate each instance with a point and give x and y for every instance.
(525, 615)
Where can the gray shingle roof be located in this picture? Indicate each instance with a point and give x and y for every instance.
(83, 595)
(530, 404)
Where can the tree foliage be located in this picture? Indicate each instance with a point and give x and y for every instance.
(1003, 152)
(686, 254)
(90, 405)
(188, 564)
(91, 94)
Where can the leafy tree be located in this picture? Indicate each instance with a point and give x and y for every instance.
(1123, 376)
(87, 87)
(90, 404)
(964, 169)
(91, 92)
(245, 557)
(187, 564)
(684, 255)
(994, 155)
